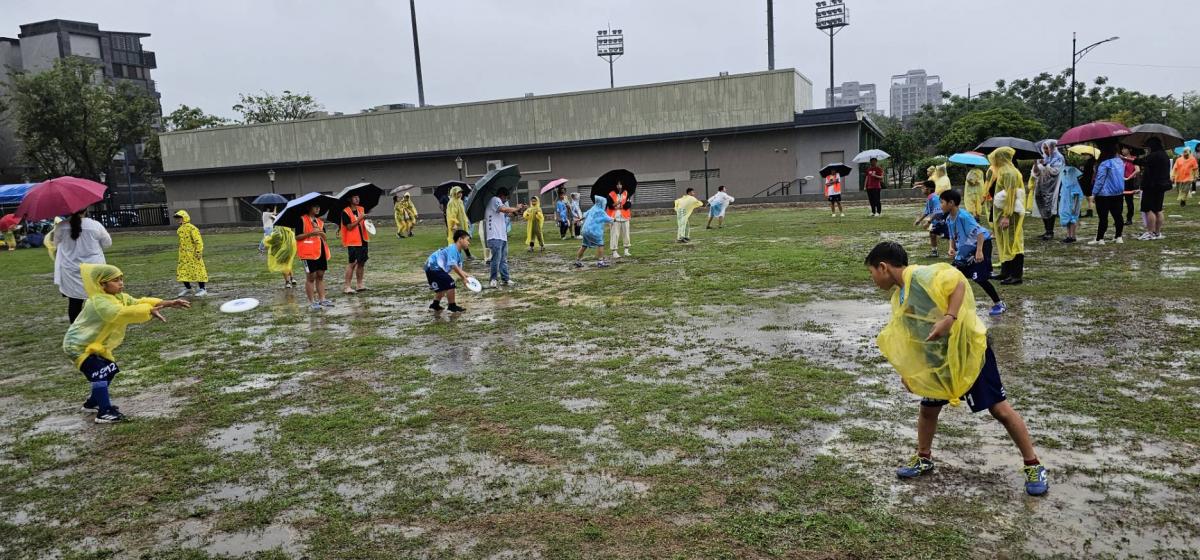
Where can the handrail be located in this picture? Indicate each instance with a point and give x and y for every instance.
(778, 187)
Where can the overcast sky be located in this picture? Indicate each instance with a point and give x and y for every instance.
(354, 54)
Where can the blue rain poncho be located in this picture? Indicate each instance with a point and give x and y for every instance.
(593, 223)
(1070, 196)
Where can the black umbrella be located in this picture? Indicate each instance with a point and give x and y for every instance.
(442, 191)
(607, 183)
(296, 209)
(839, 168)
(505, 177)
(1025, 149)
(1142, 133)
(269, 199)
(368, 198)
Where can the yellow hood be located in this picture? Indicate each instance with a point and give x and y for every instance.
(187, 219)
(455, 192)
(974, 177)
(95, 275)
(1001, 157)
(533, 201)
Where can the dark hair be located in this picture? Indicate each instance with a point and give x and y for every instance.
(77, 224)
(1154, 143)
(887, 252)
(501, 191)
(690, 190)
(952, 196)
(721, 188)
(459, 234)
(928, 184)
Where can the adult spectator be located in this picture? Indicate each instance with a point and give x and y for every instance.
(496, 229)
(874, 187)
(1107, 192)
(1156, 181)
(78, 240)
(1185, 175)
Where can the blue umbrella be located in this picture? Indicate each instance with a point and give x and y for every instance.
(296, 209)
(269, 199)
(1190, 144)
(967, 158)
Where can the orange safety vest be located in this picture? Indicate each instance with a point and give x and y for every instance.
(618, 204)
(357, 236)
(310, 248)
(833, 185)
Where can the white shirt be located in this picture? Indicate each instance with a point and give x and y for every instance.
(268, 219)
(494, 224)
(70, 253)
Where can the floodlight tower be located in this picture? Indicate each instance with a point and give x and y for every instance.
(610, 45)
(832, 16)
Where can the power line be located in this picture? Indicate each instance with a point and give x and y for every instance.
(1140, 64)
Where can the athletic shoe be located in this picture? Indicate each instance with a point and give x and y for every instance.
(493, 284)
(602, 264)
(326, 303)
(1158, 236)
(998, 309)
(1036, 482)
(509, 284)
(916, 466)
(843, 215)
(932, 255)
(616, 254)
(314, 306)
(1146, 236)
(201, 292)
(707, 227)
(627, 252)
(1068, 240)
(833, 214)
(530, 248)
(436, 306)
(1096, 242)
(1012, 281)
(88, 406)
(1120, 241)
(454, 308)
(184, 292)
(578, 264)
(113, 416)
(410, 234)
(400, 235)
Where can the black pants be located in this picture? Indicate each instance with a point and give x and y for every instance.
(578, 229)
(74, 307)
(873, 196)
(1048, 223)
(1128, 209)
(1109, 206)
(562, 229)
(188, 285)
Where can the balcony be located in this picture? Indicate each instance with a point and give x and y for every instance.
(149, 60)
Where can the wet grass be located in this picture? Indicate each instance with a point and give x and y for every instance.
(721, 399)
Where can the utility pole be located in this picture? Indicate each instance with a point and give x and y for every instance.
(412, 6)
(832, 16)
(770, 35)
(1076, 55)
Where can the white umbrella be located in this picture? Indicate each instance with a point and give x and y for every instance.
(865, 157)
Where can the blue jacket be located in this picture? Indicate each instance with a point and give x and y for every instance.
(1110, 178)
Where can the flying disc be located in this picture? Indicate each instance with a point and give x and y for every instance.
(474, 285)
(370, 227)
(239, 305)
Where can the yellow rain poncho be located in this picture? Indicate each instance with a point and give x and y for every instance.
(281, 249)
(684, 206)
(534, 219)
(1006, 186)
(191, 252)
(973, 194)
(456, 215)
(405, 213)
(48, 241)
(941, 179)
(945, 368)
(100, 327)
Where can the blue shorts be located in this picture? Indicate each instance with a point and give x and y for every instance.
(938, 227)
(96, 368)
(439, 280)
(987, 391)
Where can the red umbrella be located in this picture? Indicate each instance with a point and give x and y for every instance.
(9, 221)
(1091, 132)
(59, 197)
(552, 185)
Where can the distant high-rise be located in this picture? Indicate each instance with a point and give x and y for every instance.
(912, 91)
(853, 93)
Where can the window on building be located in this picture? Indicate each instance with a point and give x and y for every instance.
(427, 190)
(699, 174)
(117, 72)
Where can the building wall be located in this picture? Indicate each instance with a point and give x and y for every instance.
(38, 52)
(747, 164)
(705, 104)
(85, 45)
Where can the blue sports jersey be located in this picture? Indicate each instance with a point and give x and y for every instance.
(445, 259)
(964, 230)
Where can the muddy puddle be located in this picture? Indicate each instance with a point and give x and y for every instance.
(240, 438)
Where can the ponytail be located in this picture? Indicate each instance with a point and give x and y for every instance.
(76, 225)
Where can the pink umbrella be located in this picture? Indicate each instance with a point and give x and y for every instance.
(552, 185)
(1091, 132)
(59, 197)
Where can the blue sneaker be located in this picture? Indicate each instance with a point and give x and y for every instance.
(916, 466)
(998, 309)
(1036, 483)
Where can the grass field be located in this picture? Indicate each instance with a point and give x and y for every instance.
(722, 399)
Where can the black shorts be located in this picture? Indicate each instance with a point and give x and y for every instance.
(1152, 200)
(317, 264)
(439, 280)
(978, 271)
(835, 198)
(987, 391)
(96, 368)
(358, 254)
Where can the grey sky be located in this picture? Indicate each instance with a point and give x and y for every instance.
(354, 54)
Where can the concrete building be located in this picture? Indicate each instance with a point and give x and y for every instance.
(765, 139)
(851, 94)
(911, 91)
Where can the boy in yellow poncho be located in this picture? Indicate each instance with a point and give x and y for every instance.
(191, 256)
(1008, 202)
(100, 328)
(456, 218)
(280, 246)
(941, 179)
(405, 213)
(940, 349)
(533, 227)
(973, 195)
(684, 206)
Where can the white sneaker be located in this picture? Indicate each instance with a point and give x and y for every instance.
(843, 215)
(616, 254)
(627, 252)
(184, 292)
(509, 283)
(1146, 236)
(201, 292)
(1096, 242)
(1120, 241)
(493, 284)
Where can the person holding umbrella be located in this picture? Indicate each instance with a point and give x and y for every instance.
(82, 240)
(1107, 191)
(190, 267)
(619, 211)
(9, 225)
(576, 215)
(312, 248)
(1008, 203)
(355, 239)
(1048, 171)
(973, 194)
(456, 217)
(405, 213)
(1156, 181)
(874, 187)
(833, 193)
(562, 215)
(495, 227)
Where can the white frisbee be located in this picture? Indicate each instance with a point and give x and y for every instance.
(473, 284)
(239, 305)
(370, 227)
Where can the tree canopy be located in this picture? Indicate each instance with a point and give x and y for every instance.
(191, 118)
(269, 107)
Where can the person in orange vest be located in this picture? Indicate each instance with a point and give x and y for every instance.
(618, 210)
(833, 192)
(354, 239)
(314, 251)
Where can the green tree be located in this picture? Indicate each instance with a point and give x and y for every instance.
(191, 118)
(901, 145)
(269, 107)
(72, 122)
(973, 128)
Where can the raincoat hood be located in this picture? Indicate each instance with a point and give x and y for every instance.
(1001, 157)
(601, 202)
(455, 192)
(575, 196)
(974, 177)
(187, 218)
(95, 275)
(408, 196)
(533, 201)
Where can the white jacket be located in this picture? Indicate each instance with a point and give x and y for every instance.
(70, 253)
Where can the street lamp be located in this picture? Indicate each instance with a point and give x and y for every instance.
(832, 16)
(610, 45)
(1075, 56)
(704, 144)
(458, 162)
(271, 176)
